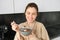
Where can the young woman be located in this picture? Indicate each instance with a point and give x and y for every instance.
(38, 30)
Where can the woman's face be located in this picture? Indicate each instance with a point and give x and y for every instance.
(31, 14)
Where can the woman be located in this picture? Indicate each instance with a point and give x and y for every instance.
(38, 32)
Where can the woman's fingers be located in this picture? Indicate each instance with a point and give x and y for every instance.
(12, 23)
(14, 26)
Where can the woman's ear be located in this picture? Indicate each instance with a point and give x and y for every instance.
(25, 14)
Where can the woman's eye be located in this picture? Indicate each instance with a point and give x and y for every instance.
(28, 13)
(34, 14)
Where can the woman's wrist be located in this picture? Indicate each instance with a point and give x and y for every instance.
(17, 31)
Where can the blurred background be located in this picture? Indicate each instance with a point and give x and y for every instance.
(49, 15)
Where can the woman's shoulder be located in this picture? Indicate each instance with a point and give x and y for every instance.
(39, 23)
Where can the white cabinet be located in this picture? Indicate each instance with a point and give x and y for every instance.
(44, 5)
(6, 6)
(18, 6)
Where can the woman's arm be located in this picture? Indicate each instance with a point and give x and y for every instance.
(15, 38)
(18, 36)
(44, 33)
(41, 32)
(33, 37)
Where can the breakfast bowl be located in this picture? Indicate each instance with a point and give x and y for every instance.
(25, 31)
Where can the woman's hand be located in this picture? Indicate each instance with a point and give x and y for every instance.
(14, 26)
(32, 36)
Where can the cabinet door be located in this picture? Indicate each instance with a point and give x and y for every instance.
(44, 5)
(6, 6)
(19, 6)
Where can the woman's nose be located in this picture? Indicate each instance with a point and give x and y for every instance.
(30, 15)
